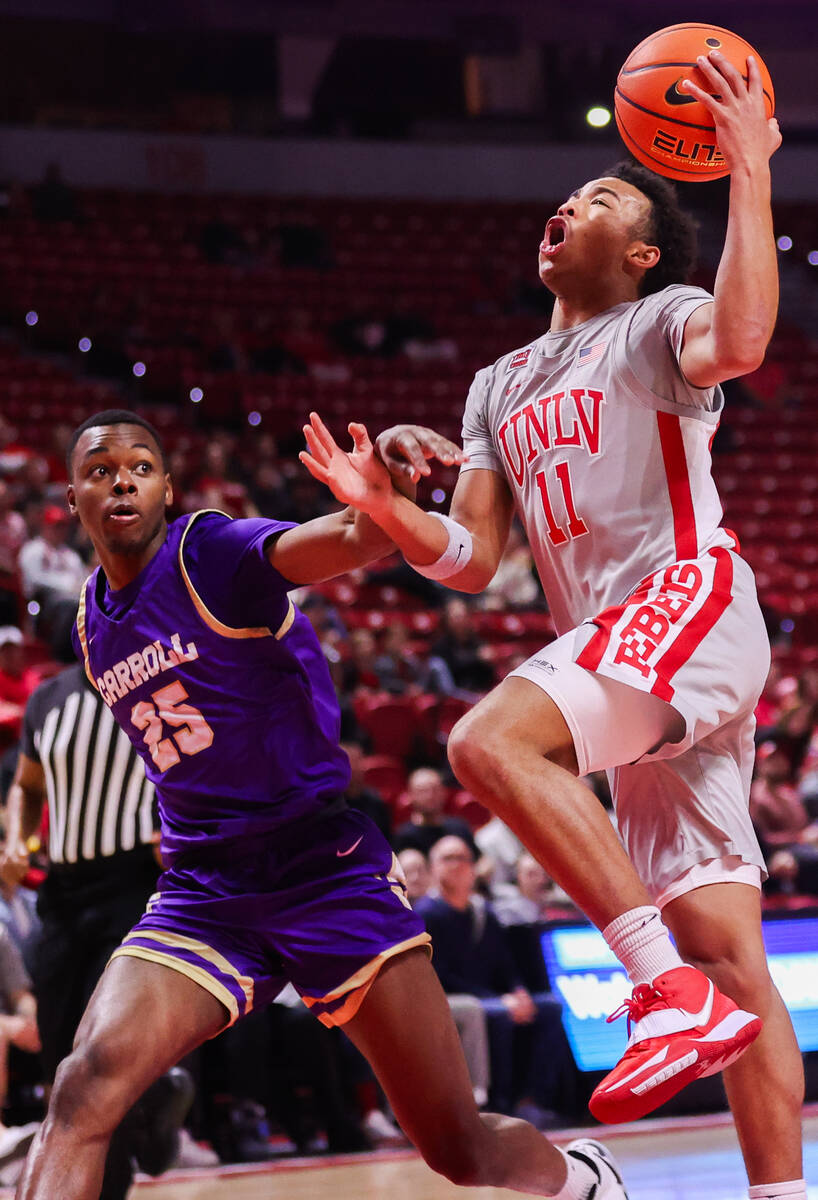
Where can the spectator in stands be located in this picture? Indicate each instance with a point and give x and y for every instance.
(34, 489)
(362, 335)
(217, 488)
(416, 872)
(399, 671)
(808, 776)
(18, 1027)
(778, 812)
(267, 489)
(223, 345)
(18, 909)
(53, 199)
(794, 872)
(472, 956)
(461, 650)
(17, 682)
(358, 795)
(324, 618)
(47, 563)
(534, 898)
(12, 537)
(500, 849)
(426, 794)
(358, 670)
(514, 584)
(13, 453)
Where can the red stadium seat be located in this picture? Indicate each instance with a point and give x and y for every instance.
(389, 721)
(464, 805)
(386, 774)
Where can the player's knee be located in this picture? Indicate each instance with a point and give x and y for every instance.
(87, 1085)
(458, 1159)
(476, 750)
(740, 971)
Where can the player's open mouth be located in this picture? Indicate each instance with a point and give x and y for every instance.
(555, 234)
(123, 514)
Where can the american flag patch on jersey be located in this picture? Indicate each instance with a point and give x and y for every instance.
(589, 353)
(520, 359)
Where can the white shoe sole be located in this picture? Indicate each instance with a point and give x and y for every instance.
(726, 1030)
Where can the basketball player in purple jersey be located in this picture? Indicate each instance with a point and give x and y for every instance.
(189, 635)
(599, 434)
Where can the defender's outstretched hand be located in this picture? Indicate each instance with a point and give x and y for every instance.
(405, 448)
(746, 135)
(357, 478)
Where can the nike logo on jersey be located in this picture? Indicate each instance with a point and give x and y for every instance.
(354, 846)
(675, 97)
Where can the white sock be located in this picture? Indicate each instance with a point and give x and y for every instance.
(795, 1189)
(641, 942)
(581, 1179)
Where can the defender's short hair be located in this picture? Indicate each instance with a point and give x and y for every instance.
(112, 416)
(668, 226)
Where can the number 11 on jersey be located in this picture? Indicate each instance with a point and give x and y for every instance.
(576, 526)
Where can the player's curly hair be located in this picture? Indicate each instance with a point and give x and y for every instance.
(668, 226)
(111, 416)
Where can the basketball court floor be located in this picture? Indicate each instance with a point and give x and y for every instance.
(681, 1159)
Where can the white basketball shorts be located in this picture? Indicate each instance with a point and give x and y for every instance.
(660, 693)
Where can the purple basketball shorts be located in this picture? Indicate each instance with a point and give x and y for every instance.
(321, 904)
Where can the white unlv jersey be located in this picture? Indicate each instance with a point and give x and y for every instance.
(606, 448)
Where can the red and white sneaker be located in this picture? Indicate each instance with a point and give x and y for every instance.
(684, 1028)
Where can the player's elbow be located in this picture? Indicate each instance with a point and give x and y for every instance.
(750, 359)
(477, 576)
(744, 352)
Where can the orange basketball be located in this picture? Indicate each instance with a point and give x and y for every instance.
(667, 129)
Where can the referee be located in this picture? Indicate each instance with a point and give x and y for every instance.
(102, 871)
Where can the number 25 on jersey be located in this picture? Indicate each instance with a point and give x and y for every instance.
(167, 707)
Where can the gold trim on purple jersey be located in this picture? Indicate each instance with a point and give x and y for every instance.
(180, 942)
(356, 987)
(81, 634)
(204, 612)
(197, 974)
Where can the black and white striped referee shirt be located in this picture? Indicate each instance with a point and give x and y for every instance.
(99, 801)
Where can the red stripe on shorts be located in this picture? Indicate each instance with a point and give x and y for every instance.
(678, 484)
(698, 628)
(592, 655)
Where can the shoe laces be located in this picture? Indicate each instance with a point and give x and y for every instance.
(644, 998)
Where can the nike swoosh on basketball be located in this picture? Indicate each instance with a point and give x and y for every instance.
(674, 96)
(354, 846)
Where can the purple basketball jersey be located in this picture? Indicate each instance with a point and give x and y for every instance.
(238, 727)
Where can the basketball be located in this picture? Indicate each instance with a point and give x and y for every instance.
(662, 125)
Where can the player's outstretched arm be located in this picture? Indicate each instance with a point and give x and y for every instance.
(405, 450)
(360, 480)
(730, 336)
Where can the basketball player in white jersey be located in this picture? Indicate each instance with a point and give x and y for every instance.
(599, 433)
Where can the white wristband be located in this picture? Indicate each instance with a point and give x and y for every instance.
(454, 558)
